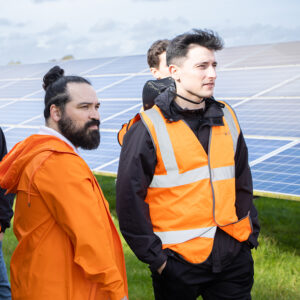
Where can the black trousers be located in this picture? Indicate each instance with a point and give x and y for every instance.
(184, 281)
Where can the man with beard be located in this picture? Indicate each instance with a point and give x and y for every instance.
(68, 245)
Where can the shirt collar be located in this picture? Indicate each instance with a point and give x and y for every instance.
(44, 130)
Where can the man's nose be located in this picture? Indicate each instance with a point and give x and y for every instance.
(94, 114)
(212, 72)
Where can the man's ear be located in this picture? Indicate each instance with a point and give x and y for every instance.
(155, 73)
(175, 72)
(55, 113)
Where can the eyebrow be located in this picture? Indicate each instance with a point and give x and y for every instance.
(205, 63)
(87, 103)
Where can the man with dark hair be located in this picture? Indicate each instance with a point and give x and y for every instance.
(156, 58)
(6, 213)
(184, 186)
(68, 245)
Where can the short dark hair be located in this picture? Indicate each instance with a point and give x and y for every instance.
(55, 85)
(156, 49)
(179, 46)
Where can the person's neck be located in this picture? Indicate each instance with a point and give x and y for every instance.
(53, 125)
(188, 105)
(56, 132)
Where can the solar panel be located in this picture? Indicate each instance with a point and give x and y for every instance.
(248, 82)
(24, 71)
(279, 173)
(261, 55)
(270, 117)
(261, 82)
(87, 65)
(126, 64)
(21, 88)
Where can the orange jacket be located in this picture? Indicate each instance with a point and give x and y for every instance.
(192, 193)
(69, 248)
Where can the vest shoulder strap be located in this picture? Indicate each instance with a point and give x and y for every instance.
(232, 122)
(126, 127)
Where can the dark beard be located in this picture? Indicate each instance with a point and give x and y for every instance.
(80, 137)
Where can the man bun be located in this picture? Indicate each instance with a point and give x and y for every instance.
(52, 75)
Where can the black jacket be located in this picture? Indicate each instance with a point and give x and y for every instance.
(6, 201)
(136, 168)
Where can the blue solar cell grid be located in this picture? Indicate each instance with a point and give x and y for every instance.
(16, 135)
(280, 173)
(270, 117)
(260, 147)
(21, 88)
(127, 64)
(289, 89)
(265, 96)
(129, 87)
(248, 82)
(21, 111)
(108, 151)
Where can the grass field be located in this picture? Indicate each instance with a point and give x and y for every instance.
(277, 260)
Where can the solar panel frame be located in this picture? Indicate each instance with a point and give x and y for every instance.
(263, 87)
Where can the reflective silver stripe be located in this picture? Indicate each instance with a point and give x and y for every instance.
(164, 142)
(232, 127)
(181, 236)
(175, 179)
(223, 173)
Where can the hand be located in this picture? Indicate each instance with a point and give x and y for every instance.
(1, 236)
(161, 268)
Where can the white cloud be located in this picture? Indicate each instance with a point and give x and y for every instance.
(258, 34)
(5, 22)
(58, 28)
(150, 0)
(106, 26)
(47, 29)
(41, 1)
(11, 24)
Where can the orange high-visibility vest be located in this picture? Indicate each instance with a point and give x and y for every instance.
(126, 127)
(192, 192)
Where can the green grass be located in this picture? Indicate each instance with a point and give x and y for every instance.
(277, 259)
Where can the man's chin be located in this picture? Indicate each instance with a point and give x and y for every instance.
(207, 95)
(93, 128)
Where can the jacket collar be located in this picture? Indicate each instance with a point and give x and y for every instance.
(212, 114)
(44, 130)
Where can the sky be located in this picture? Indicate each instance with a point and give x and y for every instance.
(33, 31)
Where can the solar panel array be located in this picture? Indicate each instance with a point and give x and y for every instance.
(261, 82)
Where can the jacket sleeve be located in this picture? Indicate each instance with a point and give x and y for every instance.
(136, 168)
(244, 189)
(69, 194)
(6, 201)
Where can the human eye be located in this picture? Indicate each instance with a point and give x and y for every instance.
(83, 106)
(201, 66)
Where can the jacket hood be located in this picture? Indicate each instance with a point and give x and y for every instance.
(13, 164)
